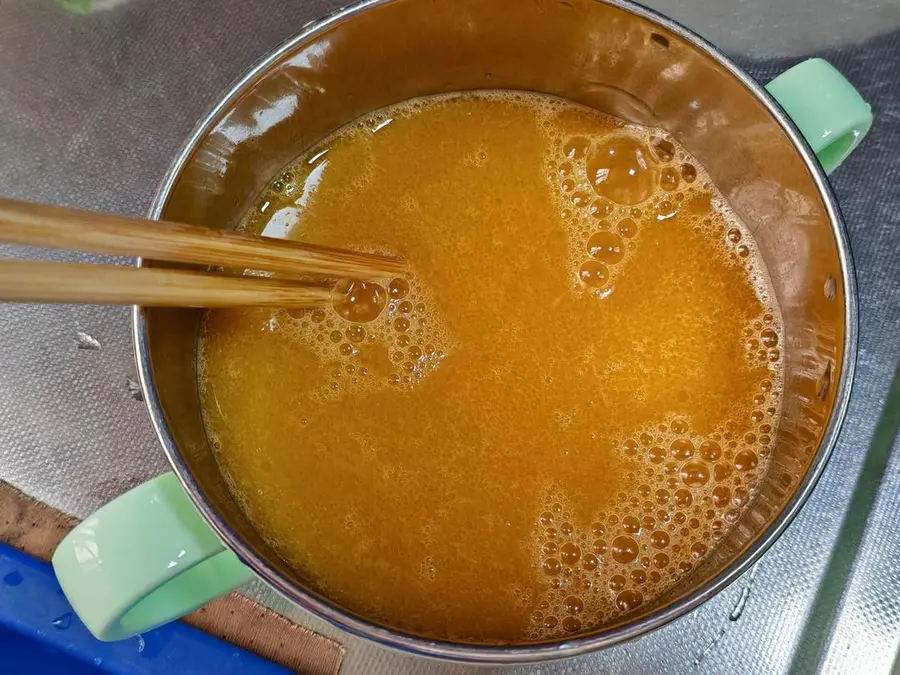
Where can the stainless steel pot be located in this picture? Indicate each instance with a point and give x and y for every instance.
(611, 55)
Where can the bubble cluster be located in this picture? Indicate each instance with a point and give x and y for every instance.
(687, 489)
(692, 489)
(375, 333)
(606, 185)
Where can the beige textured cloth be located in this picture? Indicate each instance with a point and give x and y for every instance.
(36, 529)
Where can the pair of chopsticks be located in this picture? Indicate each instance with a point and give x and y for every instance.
(64, 228)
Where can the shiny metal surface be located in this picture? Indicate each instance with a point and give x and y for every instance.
(70, 432)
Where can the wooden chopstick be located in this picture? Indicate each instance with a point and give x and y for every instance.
(61, 227)
(33, 281)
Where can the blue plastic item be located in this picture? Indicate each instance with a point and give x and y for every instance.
(41, 635)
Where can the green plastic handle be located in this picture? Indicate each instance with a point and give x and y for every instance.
(829, 112)
(144, 559)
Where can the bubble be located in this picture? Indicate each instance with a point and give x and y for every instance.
(549, 548)
(599, 547)
(358, 301)
(624, 549)
(629, 599)
(630, 447)
(698, 550)
(684, 567)
(550, 622)
(356, 334)
(741, 497)
(616, 582)
(573, 604)
(598, 529)
(576, 147)
(665, 210)
(679, 426)
(398, 289)
(743, 251)
(579, 198)
(695, 474)
(688, 172)
(662, 496)
(546, 518)
(710, 451)
(745, 460)
(620, 170)
(657, 454)
(571, 624)
(683, 498)
(570, 553)
(722, 471)
(335, 336)
(567, 185)
(734, 235)
(566, 528)
(631, 525)
(606, 247)
(769, 337)
(565, 169)
(552, 567)
(721, 495)
(659, 539)
(347, 349)
(669, 179)
(594, 274)
(401, 324)
(682, 449)
(317, 315)
(600, 208)
(638, 577)
(627, 228)
(590, 562)
(663, 149)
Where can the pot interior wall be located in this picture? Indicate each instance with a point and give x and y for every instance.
(592, 53)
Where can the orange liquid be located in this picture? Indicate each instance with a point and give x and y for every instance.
(559, 411)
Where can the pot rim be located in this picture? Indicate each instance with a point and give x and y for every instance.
(526, 653)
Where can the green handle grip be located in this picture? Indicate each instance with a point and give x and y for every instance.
(144, 559)
(827, 110)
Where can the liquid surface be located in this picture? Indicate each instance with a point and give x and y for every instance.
(563, 407)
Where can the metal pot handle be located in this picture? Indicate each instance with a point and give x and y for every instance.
(826, 108)
(144, 559)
